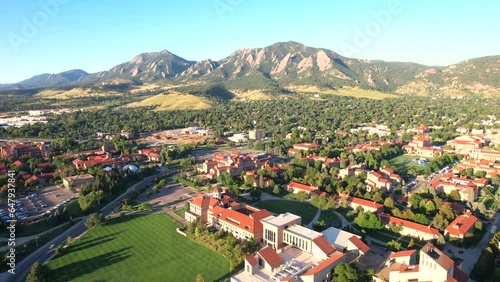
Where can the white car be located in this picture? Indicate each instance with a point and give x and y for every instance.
(51, 246)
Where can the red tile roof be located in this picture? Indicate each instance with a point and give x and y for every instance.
(409, 224)
(200, 200)
(364, 202)
(304, 187)
(305, 146)
(403, 253)
(324, 264)
(324, 245)
(461, 224)
(390, 171)
(271, 256)
(409, 268)
(252, 260)
(240, 220)
(459, 275)
(442, 259)
(359, 244)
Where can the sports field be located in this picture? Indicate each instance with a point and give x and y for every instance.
(137, 248)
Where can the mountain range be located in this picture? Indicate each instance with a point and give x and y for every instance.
(281, 65)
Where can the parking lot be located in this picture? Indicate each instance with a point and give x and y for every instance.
(170, 194)
(35, 205)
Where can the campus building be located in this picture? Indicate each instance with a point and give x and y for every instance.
(462, 225)
(433, 266)
(77, 180)
(295, 253)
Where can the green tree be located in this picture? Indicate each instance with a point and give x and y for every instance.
(344, 203)
(368, 220)
(301, 196)
(394, 246)
(276, 189)
(454, 196)
(344, 272)
(94, 220)
(58, 250)
(411, 243)
(389, 202)
(440, 240)
(420, 218)
(250, 180)
(38, 273)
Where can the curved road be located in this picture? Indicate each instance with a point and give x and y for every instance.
(43, 254)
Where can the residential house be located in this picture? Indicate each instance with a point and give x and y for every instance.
(153, 154)
(375, 180)
(352, 170)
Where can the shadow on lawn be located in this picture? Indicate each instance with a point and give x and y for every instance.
(74, 270)
(86, 245)
(121, 219)
(90, 242)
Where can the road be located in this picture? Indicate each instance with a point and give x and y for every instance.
(43, 254)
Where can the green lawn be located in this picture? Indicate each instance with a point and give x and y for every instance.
(330, 219)
(304, 210)
(404, 163)
(386, 236)
(137, 248)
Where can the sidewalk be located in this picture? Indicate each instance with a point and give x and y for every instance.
(315, 219)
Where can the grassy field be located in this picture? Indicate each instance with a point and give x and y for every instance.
(174, 101)
(403, 164)
(304, 210)
(345, 91)
(73, 93)
(137, 248)
(253, 95)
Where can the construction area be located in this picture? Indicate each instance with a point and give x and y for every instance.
(189, 135)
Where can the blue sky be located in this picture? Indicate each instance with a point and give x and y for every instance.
(95, 35)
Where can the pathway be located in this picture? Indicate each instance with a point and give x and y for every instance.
(369, 240)
(176, 217)
(345, 222)
(314, 220)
